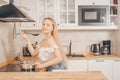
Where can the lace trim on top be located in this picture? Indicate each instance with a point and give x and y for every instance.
(46, 53)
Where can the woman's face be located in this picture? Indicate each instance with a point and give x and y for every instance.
(47, 26)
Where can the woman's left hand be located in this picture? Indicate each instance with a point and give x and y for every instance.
(37, 64)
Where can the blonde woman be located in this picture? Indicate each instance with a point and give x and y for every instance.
(49, 50)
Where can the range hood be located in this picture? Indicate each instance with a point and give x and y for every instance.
(10, 13)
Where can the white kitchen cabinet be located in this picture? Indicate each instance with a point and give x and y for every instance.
(110, 22)
(104, 66)
(114, 12)
(30, 8)
(67, 13)
(77, 65)
(46, 8)
(116, 70)
(63, 11)
(93, 2)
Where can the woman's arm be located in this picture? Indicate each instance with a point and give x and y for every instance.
(32, 51)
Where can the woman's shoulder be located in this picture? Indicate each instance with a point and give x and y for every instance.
(42, 41)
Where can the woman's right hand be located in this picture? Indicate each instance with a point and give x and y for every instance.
(23, 35)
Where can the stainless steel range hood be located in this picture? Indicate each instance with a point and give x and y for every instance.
(10, 13)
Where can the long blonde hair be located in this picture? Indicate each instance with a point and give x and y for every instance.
(55, 36)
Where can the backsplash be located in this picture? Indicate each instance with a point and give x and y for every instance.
(81, 40)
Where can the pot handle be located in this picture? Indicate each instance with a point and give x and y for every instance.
(91, 48)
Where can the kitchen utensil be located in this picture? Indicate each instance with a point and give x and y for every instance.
(95, 49)
(34, 34)
(27, 66)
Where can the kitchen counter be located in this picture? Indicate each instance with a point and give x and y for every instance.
(92, 57)
(76, 75)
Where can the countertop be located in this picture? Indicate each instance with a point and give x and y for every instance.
(93, 57)
(76, 75)
(15, 67)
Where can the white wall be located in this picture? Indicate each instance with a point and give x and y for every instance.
(7, 44)
(117, 33)
(117, 41)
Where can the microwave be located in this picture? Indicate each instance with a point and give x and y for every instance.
(93, 15)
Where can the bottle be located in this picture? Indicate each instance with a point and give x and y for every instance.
(26, 51)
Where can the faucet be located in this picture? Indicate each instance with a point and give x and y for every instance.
(70, 45)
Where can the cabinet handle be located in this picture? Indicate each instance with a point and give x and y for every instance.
(99, 60)
(117, 60)
(34, 25)
(93, 3)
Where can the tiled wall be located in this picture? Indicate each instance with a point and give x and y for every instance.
(81, 40)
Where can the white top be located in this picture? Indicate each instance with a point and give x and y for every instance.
(46, 53)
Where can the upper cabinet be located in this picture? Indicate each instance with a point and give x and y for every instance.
(46, 8)
(114, 12)
(93, 2)
(72, 14)
(63, 11)
(67, 13)
(98, 14)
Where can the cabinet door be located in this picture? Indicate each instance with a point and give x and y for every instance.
(67, 12)
(116, 70)
(101, 65)
(77, 65)
(46, 8)
(93, 2)
(29, 7)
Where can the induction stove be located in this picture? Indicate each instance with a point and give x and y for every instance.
(16, 68)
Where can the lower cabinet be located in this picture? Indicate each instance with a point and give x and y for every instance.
(110, 68)
(105, 66)
(116, 70)
(77, 65)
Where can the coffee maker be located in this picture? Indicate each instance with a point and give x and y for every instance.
(106, 48)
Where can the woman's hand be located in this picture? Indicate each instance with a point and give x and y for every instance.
(23, 35)
(37, 64)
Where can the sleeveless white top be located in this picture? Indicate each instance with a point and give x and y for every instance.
(46, 53)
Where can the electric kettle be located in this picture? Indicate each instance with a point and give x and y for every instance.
(95, 49)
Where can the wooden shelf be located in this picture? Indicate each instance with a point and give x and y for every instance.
(112, 27)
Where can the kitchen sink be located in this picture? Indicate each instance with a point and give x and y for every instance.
(76, 55)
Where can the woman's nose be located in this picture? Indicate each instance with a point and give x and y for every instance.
(44, 26)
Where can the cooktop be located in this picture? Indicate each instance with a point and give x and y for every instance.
(15, 68)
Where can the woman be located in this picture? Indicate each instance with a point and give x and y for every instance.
(49, 50)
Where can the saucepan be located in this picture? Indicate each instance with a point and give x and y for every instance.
(27, 66)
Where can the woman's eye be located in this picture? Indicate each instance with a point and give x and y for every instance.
(43, 24)
(48, 25)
